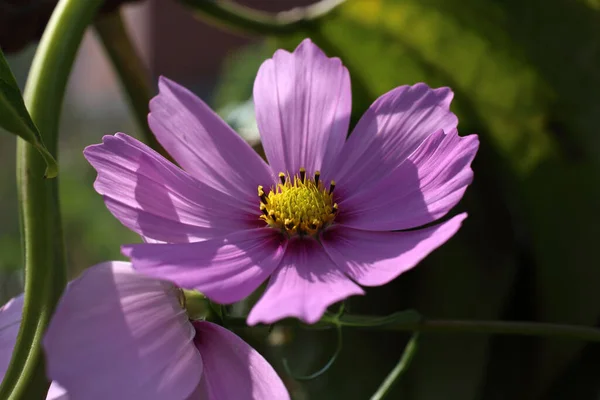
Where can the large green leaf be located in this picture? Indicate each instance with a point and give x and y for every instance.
(15, 118)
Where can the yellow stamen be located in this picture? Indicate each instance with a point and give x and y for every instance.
(262, 195)
(298, 205)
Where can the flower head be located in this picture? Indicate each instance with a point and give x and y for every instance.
(325, 215)
(117, 334)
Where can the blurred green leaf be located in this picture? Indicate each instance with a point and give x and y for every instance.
(15, 118)
(238, 73)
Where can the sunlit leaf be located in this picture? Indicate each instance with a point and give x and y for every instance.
(15, 118)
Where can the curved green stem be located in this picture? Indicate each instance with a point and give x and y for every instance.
(493, 328)
(132, 72)
(324, 368)
(411, 324)
(247, 20)
(45, 271)
(399, 369)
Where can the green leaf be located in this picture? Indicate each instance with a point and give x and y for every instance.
(15, 118)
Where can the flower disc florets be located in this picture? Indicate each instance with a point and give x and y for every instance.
(298, 205)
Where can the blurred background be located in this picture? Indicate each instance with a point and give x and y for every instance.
(526, 78)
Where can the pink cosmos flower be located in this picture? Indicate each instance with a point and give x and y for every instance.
(326, 215)
(117, 334)
(10, 322)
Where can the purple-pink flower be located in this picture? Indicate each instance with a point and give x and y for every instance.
(327, 214)
(117, 334)
(10, 322)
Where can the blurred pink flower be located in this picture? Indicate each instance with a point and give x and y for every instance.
(230, 221)
(117, 334)
(10, 322)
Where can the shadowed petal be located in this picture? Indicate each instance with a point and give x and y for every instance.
(391, 129)
(304, 285)
(302, 102)
(234, 370)
(117, 334)
(225, 270)
(376, 258)
(10, 322)
(154, 198)
(204, 145)
(424, 188)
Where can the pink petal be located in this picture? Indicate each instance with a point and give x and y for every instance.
(376, 258)
(225, 270)
(204, 145)
(156, 199)
(234, 370)
(117, 334)
(304, 285)
(10, 322)
(424, 188)
(303, 103)
(391, 129)
(56, 392)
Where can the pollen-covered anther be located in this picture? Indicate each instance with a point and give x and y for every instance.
(262, 195)
(298, 205)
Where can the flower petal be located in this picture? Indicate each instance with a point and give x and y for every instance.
(304, 285)
(302, 102)
(234, 370)
(56, 392)
(10, 322)
(204, 145)
(376, 258)
(154, 198)
(117, 334)
(391, 129)
(225, 270)
(424, 188)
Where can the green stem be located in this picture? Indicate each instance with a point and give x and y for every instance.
(134, 76)
(45, 269)
(399, 369)
(575, 332)
(247, 20)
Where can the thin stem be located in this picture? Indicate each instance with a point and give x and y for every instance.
(395, 374)
(519, 328)
(498, 328)
(323, 369)
(247, 20)
(45, 269)
(133, 74)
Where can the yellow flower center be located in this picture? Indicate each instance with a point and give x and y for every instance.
(298, 205)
